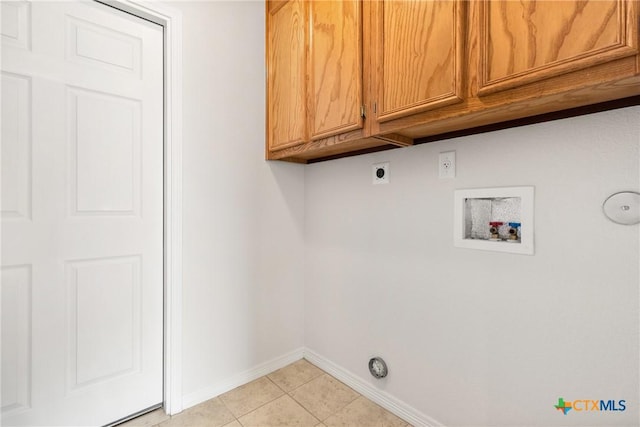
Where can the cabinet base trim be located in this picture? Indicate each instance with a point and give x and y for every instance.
(395, 139)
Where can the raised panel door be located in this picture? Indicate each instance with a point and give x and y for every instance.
(82, 214)
(286, 74)
(531, 40)
(335, 67)
(418, 56)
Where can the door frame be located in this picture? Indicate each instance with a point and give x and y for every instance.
(171, 21)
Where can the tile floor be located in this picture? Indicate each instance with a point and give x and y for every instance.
(298, 395)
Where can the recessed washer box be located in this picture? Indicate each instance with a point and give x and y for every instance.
(494, 219)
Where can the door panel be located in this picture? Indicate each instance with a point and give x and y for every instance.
(104, 343)
(286, 75)
(419, 56)
(16, 146)
(105, 153)
(16, 24)
(577, 34)
(16, 337)
(335, 66)
(82, 222)
(102, 46)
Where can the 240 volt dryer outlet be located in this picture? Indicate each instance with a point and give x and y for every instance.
(380, 173)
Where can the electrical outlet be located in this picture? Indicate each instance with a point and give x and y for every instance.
(380, 173)
(447, 165)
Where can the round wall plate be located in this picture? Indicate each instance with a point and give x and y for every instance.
(377, 367)
(623, 208)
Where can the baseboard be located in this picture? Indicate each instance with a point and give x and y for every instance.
(382, 398)
(242, 378)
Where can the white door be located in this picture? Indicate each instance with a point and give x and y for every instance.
(82, 213)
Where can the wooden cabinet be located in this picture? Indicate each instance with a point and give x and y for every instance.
(418, 54)
(335, 67)
(286, 74)
(528, 41)
(527, 58)
(316, 106)
(421, 68)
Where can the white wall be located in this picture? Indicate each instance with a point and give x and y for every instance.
(477, 338)
(471, 338)
(243, 217)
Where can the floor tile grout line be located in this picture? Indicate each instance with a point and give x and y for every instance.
(273, 382)
(303, 384)
(303, 407)
(358, 395)
(341, 409)
(288, 393)
(282, 395)
(306, 409)
(332, 413)
(258, 407)
(271, 401)
(306, 382)
(225, 405)
(255, 409)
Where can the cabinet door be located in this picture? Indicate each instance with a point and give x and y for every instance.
(335, 67)
(528, 40)
(418, 55)
(286, 62)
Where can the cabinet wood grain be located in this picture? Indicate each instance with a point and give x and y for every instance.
(286, 74)
(335, 66)
(419, 53)
(530, 40)
(421, 68)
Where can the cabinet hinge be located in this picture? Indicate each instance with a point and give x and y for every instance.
(362, 112)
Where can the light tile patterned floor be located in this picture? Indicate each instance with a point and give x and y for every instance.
(299, 395)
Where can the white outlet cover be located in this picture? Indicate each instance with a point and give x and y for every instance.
(447, 165)
(384, 179)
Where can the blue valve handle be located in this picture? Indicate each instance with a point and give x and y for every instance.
(514, 224)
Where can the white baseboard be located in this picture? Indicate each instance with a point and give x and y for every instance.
(242, 378)
(382, 398)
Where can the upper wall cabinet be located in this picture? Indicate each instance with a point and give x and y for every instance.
(286, 74)
(315, 78)
(335, 67)
(419, 47)
(347, 76)
(527, 41)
